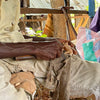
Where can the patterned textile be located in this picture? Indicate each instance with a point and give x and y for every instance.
(88, 44)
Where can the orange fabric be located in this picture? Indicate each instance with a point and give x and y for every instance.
(49, 30)
(83, 21)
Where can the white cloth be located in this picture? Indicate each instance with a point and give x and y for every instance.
(39, 67)
(10, 93)
(40, 4)
(84, 78)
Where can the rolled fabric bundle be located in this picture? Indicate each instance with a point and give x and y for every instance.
(45, 50)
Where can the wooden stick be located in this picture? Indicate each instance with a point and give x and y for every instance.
(69, 21)
(26, 57)
(82, 16)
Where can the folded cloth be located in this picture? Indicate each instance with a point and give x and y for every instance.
(89, 53)
(85, 36)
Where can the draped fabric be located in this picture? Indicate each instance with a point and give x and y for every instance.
(95, 24)
(91, 8)
(73, 77)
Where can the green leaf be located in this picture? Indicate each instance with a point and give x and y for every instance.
(43, 35)
(32, 35)
(39, 31)
(30, 28)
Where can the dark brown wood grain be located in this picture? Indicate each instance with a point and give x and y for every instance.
(53, 11)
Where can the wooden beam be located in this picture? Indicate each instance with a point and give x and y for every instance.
(77, 12)
(39, 11)
(52, 11)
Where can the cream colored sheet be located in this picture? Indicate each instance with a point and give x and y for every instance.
(8, 91)
(84, 78)
(73, 77)
(9, 18)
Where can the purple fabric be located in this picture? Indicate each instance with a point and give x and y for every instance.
(95, 24)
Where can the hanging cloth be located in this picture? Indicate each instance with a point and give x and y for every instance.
(91, 8)
(95, 24)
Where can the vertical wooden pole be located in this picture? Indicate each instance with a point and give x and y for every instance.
(59, 21)
(68, 2)
(28, 3)
(65, 1)
(71, 33)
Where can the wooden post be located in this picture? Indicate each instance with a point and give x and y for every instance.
(71, 31)
(59, 21)
(28, 3)
(68, 2)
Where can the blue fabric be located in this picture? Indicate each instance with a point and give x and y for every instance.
(97, 46)
(88, 34)
(91, 8)
(98, 59)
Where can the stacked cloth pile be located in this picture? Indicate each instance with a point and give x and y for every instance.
(88, 44)
(88, 40)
